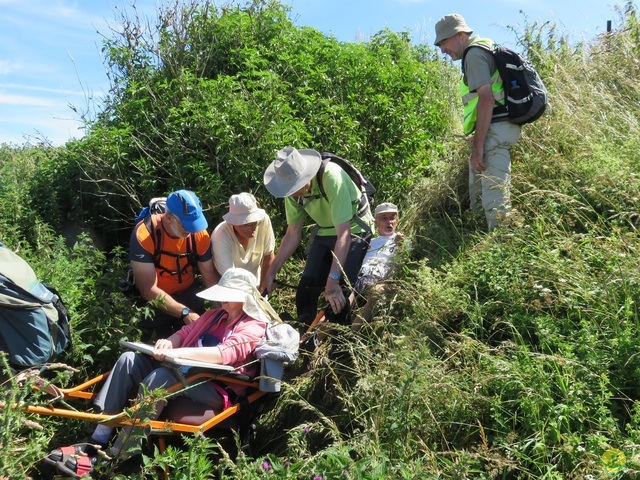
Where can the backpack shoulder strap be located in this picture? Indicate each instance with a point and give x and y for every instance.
(192, 250)
(348, 168)
(155, 230)
(323, 165)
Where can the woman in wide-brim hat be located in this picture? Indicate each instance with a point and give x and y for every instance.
(227, 335)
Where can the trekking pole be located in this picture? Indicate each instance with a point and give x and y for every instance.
(320, 317)
(282, 284)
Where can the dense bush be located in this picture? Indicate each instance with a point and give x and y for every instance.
(206, 97)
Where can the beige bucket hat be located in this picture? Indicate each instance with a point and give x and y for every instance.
(448, 26)
(243, 208)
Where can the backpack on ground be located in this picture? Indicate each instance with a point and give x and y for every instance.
(34, 323)
(362, 182)
(158, 205)
(525, 95)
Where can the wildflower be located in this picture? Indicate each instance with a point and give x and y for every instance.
(286, 463)
(266, 465)
(306, 430)
(317, 478)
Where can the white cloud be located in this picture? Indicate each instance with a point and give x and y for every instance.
(32, 88)
(61, 10)
(25, 100)
(7, 67)
(53, 123)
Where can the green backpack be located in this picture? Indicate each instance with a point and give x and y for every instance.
(34, 323)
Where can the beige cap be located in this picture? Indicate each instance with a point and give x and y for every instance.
(386, 207)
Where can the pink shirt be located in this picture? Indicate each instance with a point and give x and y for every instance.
(237, 341)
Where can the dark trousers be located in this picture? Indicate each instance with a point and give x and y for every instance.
(316, 271)
(161, 323)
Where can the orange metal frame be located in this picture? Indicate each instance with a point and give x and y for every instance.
(82, 391)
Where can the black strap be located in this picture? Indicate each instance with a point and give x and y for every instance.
(500, 112)
(155, 230)
(214, 320)
(363, 202)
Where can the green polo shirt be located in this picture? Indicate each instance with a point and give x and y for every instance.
(340, 205)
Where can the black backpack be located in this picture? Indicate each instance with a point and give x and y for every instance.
(34, 323)
(526, 96)
(158, 205)
(362, 182)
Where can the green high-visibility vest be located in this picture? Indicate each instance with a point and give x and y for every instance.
(470, 99)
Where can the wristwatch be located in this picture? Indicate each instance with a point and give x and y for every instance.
(335, 276)
(185, 311)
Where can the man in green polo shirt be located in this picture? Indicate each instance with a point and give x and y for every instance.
(341, 237)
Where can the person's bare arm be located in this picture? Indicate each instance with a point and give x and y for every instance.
(267, 260)
(332, 292)
(210, 275)
(199, 354)
(147, 284)
(483, 120)
(289, 243)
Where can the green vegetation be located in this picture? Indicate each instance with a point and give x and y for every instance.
(509, 355)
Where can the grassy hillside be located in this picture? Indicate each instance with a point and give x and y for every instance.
(502, 355)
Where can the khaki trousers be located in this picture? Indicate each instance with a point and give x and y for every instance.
(494, 183)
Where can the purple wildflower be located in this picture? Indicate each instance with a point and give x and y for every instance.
(266, 465)
(286, 463)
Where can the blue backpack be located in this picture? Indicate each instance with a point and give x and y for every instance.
(34, 323)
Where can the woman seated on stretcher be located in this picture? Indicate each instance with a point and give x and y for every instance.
(227, 335)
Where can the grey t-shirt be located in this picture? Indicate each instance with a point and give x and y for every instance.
(479, 66)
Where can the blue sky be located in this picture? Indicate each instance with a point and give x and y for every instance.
(50, 56)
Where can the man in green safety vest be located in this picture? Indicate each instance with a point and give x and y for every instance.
(486, 122)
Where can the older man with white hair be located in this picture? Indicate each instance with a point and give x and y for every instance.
(379, 257)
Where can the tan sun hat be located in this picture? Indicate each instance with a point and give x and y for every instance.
(240, 285)
(291, 170)
(236, 285)
(243, 208)
(448, 26)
